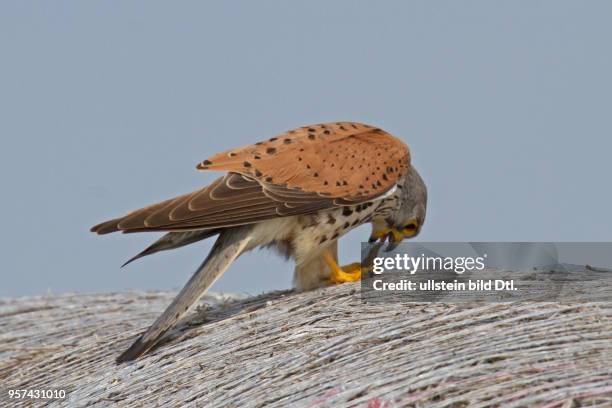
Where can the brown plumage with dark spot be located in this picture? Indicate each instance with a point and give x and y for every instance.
(298, 192)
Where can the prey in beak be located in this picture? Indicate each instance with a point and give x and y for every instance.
(395, 234)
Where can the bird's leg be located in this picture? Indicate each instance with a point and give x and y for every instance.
(347, 273)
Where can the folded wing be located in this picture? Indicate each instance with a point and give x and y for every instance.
(299, 172)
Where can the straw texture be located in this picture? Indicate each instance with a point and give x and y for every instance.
(322, 348)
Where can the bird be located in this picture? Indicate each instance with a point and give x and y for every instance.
(297, 193)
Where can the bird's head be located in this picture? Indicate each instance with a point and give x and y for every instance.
(407, 220)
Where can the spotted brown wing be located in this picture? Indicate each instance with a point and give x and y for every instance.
(300, 172)
(343, 159)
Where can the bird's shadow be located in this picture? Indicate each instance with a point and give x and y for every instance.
(207, 314)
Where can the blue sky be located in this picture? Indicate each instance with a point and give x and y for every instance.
(108, 106)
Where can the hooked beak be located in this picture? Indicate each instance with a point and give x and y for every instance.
(394, 237)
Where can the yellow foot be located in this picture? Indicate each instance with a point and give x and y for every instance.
(346, 273)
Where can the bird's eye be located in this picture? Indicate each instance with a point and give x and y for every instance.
(411, 226)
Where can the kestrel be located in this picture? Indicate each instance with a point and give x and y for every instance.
(298, 193)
